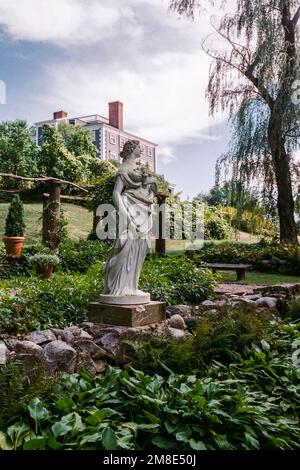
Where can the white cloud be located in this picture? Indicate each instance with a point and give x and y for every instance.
(164, 98)
(166, 155)
(62, 22)
(78, 22)
(132, 50)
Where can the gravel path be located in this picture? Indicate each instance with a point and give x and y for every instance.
(237, 289)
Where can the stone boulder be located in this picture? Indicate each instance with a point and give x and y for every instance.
(110, 340)
(75, 330)
(85, 335)
(88, 346)
(59, 356)
(177, 334)
(176, 321)
(69, 335)
(269, 302)
(211, 311)
(192, 322)
(212, 304)
(41, 337)
(252, 297)
(23, 347)
(287, 291)
(182, 310)
(63, 335)
(85, 362)
(113, 339)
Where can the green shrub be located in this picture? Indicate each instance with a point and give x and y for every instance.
(14, 224)
(79, 257)
(43, 259)
(249, 221)
(132, 410)
(216, 227)
(32, 303)
(20, 266)
(217, 337)
(175, 280)
(292, 310)
(18, 385)
(266, 257)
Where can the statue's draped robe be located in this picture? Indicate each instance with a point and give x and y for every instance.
(125, 260)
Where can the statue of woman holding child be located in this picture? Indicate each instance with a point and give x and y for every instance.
(133, 198)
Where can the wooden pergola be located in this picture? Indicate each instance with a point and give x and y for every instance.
(51, 205)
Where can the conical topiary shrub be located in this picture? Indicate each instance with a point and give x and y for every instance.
(14, 227)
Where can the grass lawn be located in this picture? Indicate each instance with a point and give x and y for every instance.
(179, 246)
(80, 224)
(79, 221)
(254, 277)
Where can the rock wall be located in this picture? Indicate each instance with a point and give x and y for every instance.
(92, 347)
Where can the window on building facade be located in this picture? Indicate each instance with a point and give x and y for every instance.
(149, 152)
(94, 135)
(113, 139)
(142, 149)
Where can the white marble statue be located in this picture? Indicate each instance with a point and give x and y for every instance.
(133, 197)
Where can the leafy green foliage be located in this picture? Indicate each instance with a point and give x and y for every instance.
(77, 140)
(38, 304)
(68, 153)
(217, 337)
(57, 160)
(233, 194)
(252, 404)
(43, 259)
(32, 303)
(79, 257)
(250, 221)
(14, 224)
(18, 153)
(292, 309)
(256, 63)
(175, 280)
(216, 226)
(19, 385)
(267, 257)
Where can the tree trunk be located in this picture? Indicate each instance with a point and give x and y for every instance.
(285, 201)
(51, 218)
(96, 220)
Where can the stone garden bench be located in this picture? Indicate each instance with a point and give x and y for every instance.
(239, 268)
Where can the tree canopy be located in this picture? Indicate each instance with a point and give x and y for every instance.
(18, 153)
(253, 73)
(68, 153)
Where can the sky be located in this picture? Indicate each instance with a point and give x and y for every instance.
(77, 55)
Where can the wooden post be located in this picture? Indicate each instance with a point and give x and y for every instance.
(44, 226)
(51, 217)
(160, 242)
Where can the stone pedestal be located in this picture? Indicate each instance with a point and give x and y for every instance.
(127, 315)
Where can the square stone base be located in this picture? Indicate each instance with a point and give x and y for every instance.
(127, 315)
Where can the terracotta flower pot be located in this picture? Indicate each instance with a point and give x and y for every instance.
(44, 270)
(14, 245)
